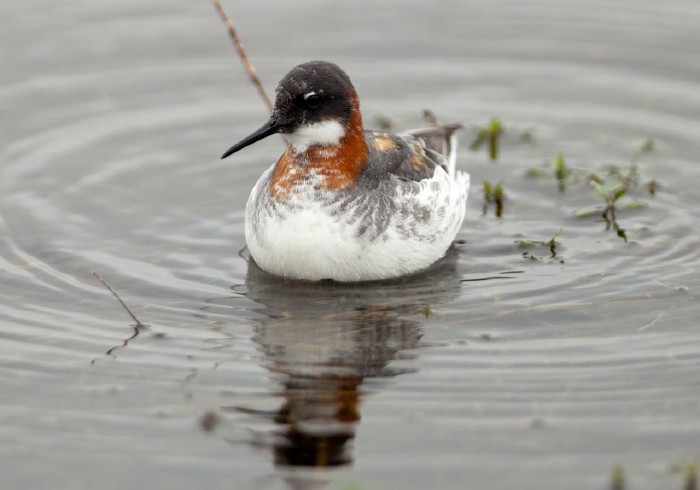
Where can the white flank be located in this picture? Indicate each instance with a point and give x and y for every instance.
(304, 239)
(324, 133)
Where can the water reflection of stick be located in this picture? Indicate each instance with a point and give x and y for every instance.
(133, 317)
(252, 74)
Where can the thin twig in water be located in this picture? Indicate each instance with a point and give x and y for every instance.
(133, 317)
(252, 74)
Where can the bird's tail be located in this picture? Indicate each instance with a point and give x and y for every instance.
(440, 138)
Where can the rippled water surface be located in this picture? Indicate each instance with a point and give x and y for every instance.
(501, 368)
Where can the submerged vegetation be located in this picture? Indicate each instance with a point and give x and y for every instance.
(618, 182)
(561, 171)
(689, 470)
(493, 194)
(493, 134)
(550, 244)
(490, 133)
(611, 194)
(617, 478)
(615, 182)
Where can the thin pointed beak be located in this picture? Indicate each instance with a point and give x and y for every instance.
(270, 127)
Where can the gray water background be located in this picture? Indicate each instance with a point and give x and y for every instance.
(505, 369)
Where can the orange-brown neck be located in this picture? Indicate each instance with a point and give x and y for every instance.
(333, 167)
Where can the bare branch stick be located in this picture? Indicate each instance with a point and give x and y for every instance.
(133, 317)
(252, 74)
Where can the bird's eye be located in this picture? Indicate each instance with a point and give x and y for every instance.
(312, 101)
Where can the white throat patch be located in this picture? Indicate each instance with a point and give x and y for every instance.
(322, 133)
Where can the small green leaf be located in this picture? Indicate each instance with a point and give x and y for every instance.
(528, 243)
(619, 194)
(534, 172)
(633, 205)
(589, 211)
(596, 178)
(600, 189)
(558, 163)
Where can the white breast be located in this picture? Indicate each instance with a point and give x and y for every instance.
(309, 237)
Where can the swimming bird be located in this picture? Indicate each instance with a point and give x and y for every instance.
(347, 204)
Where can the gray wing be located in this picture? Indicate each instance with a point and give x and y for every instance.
(407, 159)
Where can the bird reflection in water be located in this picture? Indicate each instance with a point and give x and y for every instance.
(322, 340)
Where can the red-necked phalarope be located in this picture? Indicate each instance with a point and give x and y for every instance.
(347, 204)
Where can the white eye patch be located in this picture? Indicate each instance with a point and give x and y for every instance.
(306, 96)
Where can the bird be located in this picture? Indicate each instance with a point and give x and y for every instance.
(347, 204)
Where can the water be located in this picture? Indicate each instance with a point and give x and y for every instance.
(503, 368)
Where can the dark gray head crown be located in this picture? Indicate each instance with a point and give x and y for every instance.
(318, 76)
(327, 81)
